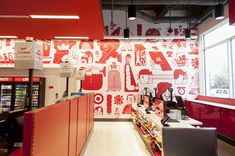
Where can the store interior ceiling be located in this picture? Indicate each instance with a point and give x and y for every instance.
(15, 20)
(163, 11)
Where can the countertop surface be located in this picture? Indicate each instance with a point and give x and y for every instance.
(214, 104)
(189, 123)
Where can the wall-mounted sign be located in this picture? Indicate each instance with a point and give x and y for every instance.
(28, 55)
(6, 79)
(66, 69)
(80, 75)
(25, 79)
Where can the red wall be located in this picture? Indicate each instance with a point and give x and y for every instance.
(221, 118)
(61, 129)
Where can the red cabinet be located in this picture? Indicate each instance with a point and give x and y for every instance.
(228, 122)
(205, 115)
(214, 117)
(194, 110)
(82, 125)
(221, 118)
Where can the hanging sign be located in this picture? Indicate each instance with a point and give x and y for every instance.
(80, 74)
(28, 55)
(66, 69)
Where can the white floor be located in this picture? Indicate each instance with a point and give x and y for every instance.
(115, 139)
(121, 139)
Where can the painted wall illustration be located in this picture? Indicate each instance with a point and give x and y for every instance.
(116, 70)
(116, 80)
(6, 53)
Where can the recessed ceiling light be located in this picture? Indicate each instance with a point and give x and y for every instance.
(219, 12)
(55, 16)
(14, 16)
(131, 12)
(71, 37)
(8, 37)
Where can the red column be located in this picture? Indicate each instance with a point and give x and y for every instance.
(231, 5)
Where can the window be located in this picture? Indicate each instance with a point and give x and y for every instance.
(218, 48)
(223, 32)
(233, 67)
(216, 70)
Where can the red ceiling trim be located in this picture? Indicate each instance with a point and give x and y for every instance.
(89, 25)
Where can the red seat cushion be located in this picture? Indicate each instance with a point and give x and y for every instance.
(18, 152)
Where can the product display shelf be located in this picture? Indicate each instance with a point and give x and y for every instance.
(151, 123)
(147, 144)
(152, 116)
(148, 130)
(142, 123)
(157, 120)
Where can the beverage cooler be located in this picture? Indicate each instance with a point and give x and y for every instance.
(6, 93)
(13, 91)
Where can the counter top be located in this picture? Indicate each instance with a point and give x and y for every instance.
(190, 123)
(214, 104)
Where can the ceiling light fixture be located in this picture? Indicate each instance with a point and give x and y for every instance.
(170, 30)
(149, 37)
(188, 33)
(8, 37)
(188, 30)
(55, 16)
(70, 37)
(111, 23)
(131, 11)
(219, 12)
(126, 31)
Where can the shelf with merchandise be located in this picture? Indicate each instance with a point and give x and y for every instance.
(150, 127)
(149, 132)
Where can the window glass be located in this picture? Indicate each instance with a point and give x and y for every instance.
(224, 32)
(216, 71)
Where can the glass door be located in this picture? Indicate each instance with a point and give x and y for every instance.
(5, 99)
(20, 96)
(35, 96)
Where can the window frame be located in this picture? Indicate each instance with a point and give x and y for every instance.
(233, 65)
(230, 58)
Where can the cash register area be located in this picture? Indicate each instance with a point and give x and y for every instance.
(122, 139)
(156, 127)
(127, 138)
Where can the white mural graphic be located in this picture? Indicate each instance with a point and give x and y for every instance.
(119, 69)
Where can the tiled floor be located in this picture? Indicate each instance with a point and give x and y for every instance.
(121, 139)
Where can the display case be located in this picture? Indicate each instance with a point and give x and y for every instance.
(5, 98)
(6, 92)
(13, 92)
(150, 128)
(149, 132)
(213, 114)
